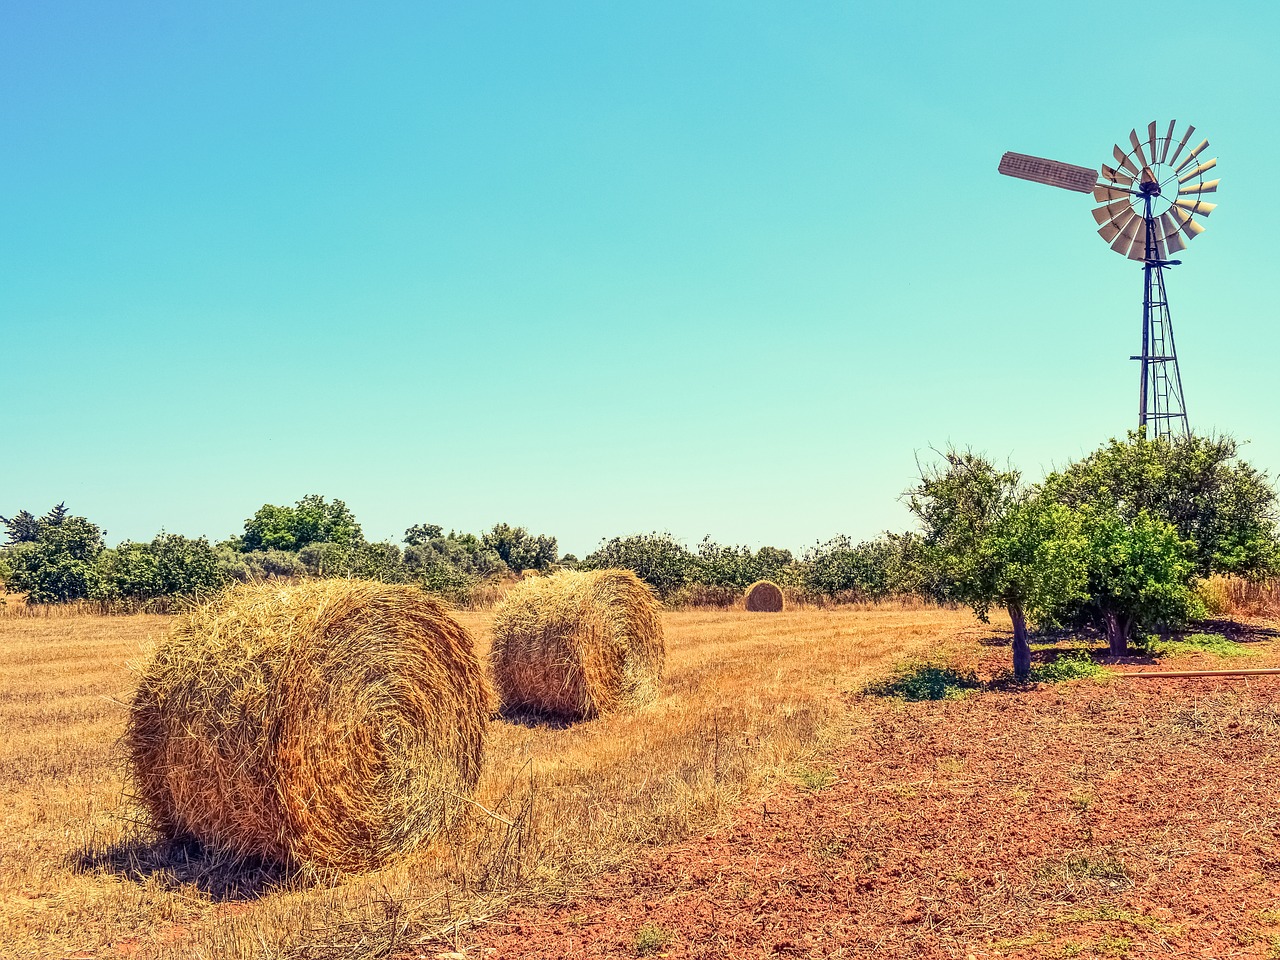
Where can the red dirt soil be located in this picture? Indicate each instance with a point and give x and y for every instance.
(1123, 818)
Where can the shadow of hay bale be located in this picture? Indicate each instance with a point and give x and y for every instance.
(536, 719)
(178, 864)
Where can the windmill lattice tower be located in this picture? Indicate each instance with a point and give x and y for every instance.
(1149, 203)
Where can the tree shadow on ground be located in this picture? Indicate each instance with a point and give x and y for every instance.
(1241, 631)
(179, 864)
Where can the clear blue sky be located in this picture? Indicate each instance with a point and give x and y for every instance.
(597, 268)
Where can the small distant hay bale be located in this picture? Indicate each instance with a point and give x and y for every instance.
(329, 724)
(577, 644)
(764, 596)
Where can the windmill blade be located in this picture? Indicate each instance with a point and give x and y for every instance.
(1138, 249)
(1185, 137)
(1122, 158)
(1192, 174)
(1103, 194)
(1137, 147)
(1115, 176)
(1170, 235)
(1113, 210)
(1196, 206)
(1068, 176)
(1186, 222)
(1113, 228)
(1151, 140)
(1124, 240)
(1209, 186)
(1191, 156)
(1168, 141)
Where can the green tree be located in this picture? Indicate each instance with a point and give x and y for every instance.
(996, 543)
(1223, 506)
(657, 558)
(872, 570)
(1140, 574)
(368, 561)
(23, 527)
(311, 520)
(519, 549)
(59, 565)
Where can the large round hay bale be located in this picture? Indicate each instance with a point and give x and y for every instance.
(764, 596)
(326, 724)
(577, 644)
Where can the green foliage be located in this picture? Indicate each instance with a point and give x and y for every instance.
(1141, 574)
(23, 527)
(1221, 505)
(170, 565)
(1213, 643)
(465, 552)
(736, 568)
(59, 565)
(651, 939)
(1069, 666)
(311, 520)
(367, 561)
(872, 570)
(519, 549)
(926, 681)
(656, 558)
(989, 541)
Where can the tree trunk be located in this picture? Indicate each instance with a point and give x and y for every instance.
(1117, 633)
(1021, 649)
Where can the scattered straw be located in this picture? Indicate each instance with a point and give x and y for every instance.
(577, 644)
(330, 723)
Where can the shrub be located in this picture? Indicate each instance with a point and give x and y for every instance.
(926, 681)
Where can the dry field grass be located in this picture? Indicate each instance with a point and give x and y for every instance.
(746, 700)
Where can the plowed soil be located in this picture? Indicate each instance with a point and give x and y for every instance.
(1114, 817)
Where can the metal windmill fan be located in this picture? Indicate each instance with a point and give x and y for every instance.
(1149, 204)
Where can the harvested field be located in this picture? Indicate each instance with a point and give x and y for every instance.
(761, 806)
(743, 700)
(1096, 818)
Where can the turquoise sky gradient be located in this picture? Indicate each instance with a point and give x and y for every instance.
(717, 268)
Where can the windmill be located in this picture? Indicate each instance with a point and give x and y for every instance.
(1149, 203)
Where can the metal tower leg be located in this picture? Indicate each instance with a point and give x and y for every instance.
(1162, 410)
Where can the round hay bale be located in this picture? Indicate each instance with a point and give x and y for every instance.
(577, 644)
(326, 724)
(764, 596)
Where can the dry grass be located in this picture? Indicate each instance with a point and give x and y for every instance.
(1237, 597)
(744, 701)
(331, 724)
(577, 644)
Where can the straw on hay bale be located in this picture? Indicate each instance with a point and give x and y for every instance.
(328, 724)
(764, 596)
(577, 644)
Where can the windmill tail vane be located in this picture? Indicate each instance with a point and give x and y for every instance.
(1148, 205)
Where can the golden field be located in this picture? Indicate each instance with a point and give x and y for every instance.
(746, 700)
